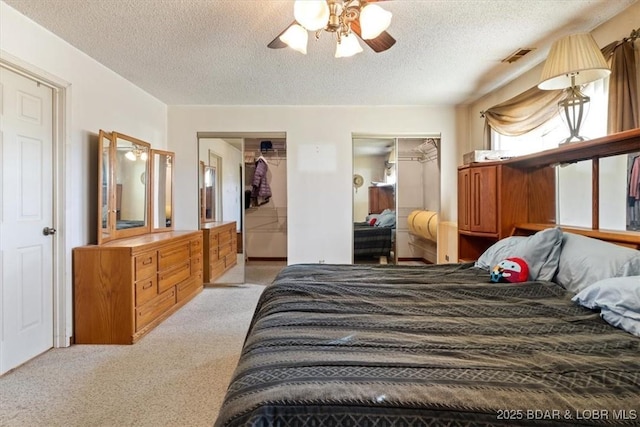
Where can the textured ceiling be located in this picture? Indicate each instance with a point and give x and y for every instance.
(214, 52)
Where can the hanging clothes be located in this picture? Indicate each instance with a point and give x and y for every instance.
(261, 191)
(634, 180)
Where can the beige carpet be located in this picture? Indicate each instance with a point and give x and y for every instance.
(175, 376)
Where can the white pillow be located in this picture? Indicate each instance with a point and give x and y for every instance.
(541, 251)
(619, 294)
(585, 261)
(628, 324)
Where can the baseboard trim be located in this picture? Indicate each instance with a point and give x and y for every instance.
(266, 258)
(422, 260)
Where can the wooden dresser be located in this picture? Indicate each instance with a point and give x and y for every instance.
(380, 198)
(220, 248)
(492, 198)
(124, 288)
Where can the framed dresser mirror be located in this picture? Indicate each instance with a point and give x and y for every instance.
(123, 193)
(162, 190)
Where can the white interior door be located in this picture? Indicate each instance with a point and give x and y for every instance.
(26, 196)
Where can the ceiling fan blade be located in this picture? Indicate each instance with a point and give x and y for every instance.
(277, 43)
(381, 43)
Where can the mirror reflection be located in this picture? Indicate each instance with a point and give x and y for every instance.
(130, 184)
(104, 189)
(209, 197)
(396, 199)
(632, 191)
(374, 201)
(162, 190)
(220, 210)
(123, 200)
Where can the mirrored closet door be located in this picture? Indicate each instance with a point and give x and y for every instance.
(396, 185)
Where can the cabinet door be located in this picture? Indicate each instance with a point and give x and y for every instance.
(381, 198)
(373, 200)
(464, 200)
(484, 212)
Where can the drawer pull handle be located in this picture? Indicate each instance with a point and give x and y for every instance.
(147, 261)
(147, 286)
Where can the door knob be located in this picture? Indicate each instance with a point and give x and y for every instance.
(48, 231)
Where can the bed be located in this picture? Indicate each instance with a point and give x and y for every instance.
(377, 345)
(370, 241)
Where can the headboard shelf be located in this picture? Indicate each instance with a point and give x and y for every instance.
(495, 197)
(610, 145)
(622, 238)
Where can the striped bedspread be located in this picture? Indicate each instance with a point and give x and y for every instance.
(348, 345)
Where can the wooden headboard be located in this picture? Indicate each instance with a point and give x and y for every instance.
(622, 238)
(611, 145)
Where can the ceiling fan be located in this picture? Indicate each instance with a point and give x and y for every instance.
(344, 18)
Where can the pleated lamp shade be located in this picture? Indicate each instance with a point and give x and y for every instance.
(576, 55)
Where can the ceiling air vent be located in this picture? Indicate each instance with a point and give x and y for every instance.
(518, 54)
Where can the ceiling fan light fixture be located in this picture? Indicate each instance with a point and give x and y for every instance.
(311, 14)
(296, 37)
(347, 46)
(373, 21)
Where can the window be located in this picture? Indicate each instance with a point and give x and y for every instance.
(550, 134)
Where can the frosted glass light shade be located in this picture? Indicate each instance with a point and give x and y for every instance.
(348, 46)
(311, 14)
(576, 55)
(373, 21)
(296, 38)
(130, 155)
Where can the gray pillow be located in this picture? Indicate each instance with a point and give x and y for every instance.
(541, 252)
(584, 261)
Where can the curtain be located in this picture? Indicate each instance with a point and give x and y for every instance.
(623, 86)
(532, 108)
(524, 112)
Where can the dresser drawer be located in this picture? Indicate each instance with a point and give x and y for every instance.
(187, 288)
(146, 265)
(170, 278)
(230, 260)
(146, 290)
(224, 250)
(154, 308)
(224, 237)
(214, 255)
(213, 239)
(196, 262)
(196, 246)
(217, 269)
(172, 255)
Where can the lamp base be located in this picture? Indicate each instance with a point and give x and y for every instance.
(573, 139)
(573, 110)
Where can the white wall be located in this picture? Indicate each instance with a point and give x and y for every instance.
(319, 163)
(97, 98)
